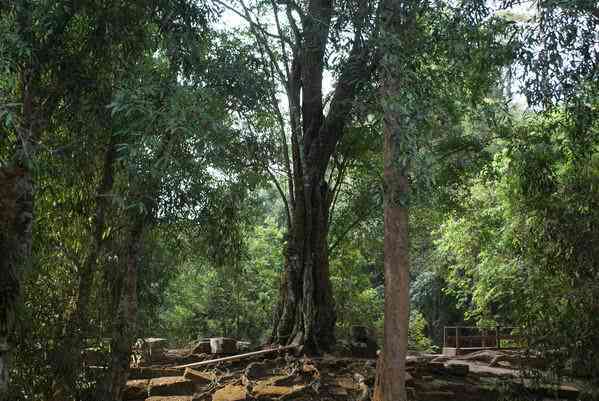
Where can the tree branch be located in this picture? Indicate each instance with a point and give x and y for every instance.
(349, 228)
(262, 163)
(280, 32)
(337, 187)
(259, 33)
(281, 192)
(353, 75)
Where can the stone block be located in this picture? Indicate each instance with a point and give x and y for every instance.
(170, 386)
(223, 345)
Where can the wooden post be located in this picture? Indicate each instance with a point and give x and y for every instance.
(457, 342)
(445, 336)
(498, 345)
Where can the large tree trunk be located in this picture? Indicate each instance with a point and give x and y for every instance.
(16, 222)
(306, 312)
(16, 217)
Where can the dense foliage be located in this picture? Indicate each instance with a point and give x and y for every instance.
(523, 250)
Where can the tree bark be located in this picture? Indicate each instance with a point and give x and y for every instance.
(390, 382)
(16, 221)
(307, 313)
(15, 247)
(125, 322)
(16, 217)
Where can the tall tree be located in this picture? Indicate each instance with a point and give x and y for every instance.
(423, 100)
(176, 132)
(29, 97)
(295, 49)
(398, 20)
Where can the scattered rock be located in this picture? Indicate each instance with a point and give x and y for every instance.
(436, 367)
(150, 349)
(286, 380)
(201, 347)
(419, 359)
(458, 369)
(338, 391)
(243, 346)
(363, 349)
(568, 392)
(223, 345)
(360, 333)
(198, 376)
(309, 369)
(170, 386)
(486, 356)
(178, 356)
(305, 393)
(441, 359)
(230, 393)
(435, 395)
(346, 383)
(326, 378)
(562, 392)
(256, 370)
(150, 373)
(136, 389)
(203, 396)
(170, 398)
(265, 390)
(364, 390)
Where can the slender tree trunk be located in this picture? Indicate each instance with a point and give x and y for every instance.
(99, 225)
(391, 372)
(390, 382)
(124, 328)
(125, 322)
(68, 361)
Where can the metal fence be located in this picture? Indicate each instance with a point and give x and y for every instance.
(477, 337)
